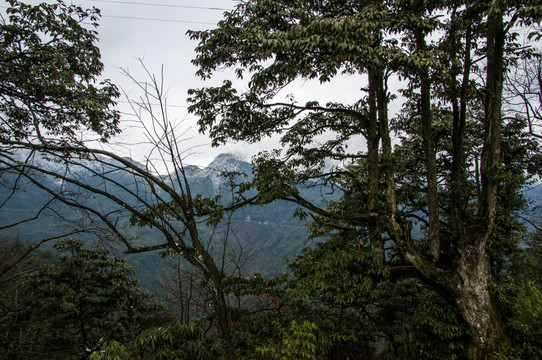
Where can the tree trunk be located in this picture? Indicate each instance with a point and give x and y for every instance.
(459, 110)
(473, 297)
(429, 152)
(475, 302)
(212, 274)
(224, 321)
(491, 152)
(373, 163)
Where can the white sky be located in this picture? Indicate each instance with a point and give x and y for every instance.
(127, 34)
(158, 43)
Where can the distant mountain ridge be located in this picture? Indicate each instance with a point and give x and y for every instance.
(222, 163)
(268, 234)
(271, 232)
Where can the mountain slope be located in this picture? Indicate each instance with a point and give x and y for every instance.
(266, 234)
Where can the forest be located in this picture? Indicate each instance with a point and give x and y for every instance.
(427, 246)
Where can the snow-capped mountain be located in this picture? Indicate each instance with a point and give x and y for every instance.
(271, 229)
(223, 163)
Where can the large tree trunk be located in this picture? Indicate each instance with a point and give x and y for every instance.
(475, 302)
(474, 298)
(468, 280)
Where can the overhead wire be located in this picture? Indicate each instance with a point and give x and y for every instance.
(123, 2)
(158, 19)
(155, 5)
(153, 19)
(160, 5)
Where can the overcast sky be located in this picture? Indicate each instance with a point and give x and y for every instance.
(155, 32)
(127, 36)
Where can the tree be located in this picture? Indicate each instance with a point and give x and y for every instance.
(178, 222)
(50, 64)
(17, 262)
(49, 97)
(48, 92)
(66, 308)
(299, 343)
(451, 58)
(179, 341)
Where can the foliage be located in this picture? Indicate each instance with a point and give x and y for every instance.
(69, 308)
(50, 64)
(299, 341)
(431, 182)
(177, 342)
(359, 308)
(526, 265)
(337, 273)
(435, 330)
(354, 309)
(110, 350)
(16, 263)
(522, 306)
(520, 299)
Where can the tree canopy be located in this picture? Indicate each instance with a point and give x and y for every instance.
(436, 182)
(68, 308)
(50, 67)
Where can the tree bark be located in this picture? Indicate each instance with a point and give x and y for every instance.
(475, 301)
(474, 298)
(491, 152)
(429, 152)
(222, 313)
(459, 110)
(214, 276)
(373, 163)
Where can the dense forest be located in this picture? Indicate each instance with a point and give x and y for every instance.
(427, 245)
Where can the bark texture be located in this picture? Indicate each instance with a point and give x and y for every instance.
(475, 301)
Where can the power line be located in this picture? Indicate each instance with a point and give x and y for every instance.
(160, 5)
(157, 19)
(148, 19)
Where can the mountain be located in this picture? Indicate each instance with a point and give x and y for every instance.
(266, 234)
(210, 177)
